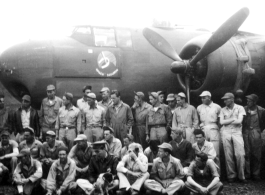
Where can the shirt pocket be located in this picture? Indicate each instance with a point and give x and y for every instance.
(150, 117)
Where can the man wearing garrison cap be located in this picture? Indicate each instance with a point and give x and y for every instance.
(252, 128)
(94, 117)
(26, 116)
(140, 110)
(49, 111)
(231, 118)
(68, 122)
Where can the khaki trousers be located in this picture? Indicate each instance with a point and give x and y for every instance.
(234, 146)
(129, 183)
(159, 133)
(213, 191)
(94, 134)
(173, 185)
(67, 136)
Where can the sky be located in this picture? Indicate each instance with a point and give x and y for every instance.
(48, 19)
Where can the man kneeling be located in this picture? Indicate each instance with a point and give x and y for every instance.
(203, 176)
(167, 173)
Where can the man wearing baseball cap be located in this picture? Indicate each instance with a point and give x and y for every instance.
(167, 173)
(27, 173)
(159, 120)
(94, 117)
(231, 118)
(106, 99)
(49, 152)
(26, 116)
(140, 110)
(49, 111)
(68, 124)
(172, 102)
(209, 116)
(185, 116)
(82, 102)
(81, 153)
(252, 129)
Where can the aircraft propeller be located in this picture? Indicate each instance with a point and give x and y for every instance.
(219, 37)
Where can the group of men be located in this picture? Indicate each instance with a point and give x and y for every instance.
(105, 144)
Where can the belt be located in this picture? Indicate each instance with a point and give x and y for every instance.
(157, 126)
(67, 127)
(50, 126)
(94, 126)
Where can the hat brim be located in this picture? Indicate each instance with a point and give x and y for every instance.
(170, 99)
(225, 97)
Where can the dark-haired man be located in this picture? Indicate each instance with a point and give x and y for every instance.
(27, 173)
(203, 176)
(158, 120)
(167, 172)
(49, 152)
(113, 144)
(231, 117)
(26, 116)
(68, 122)
(49, 111)
(129, 139)
(140, 109)
(31, 143)
(161, 96)
(119, 116)
(82, 102)
(151, 152)
(61, 174)
(101, 162)
(253, 126)
(94, 117)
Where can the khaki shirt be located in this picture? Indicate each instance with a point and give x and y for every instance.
(64, 175)
(95, 116)
(207, 148)
(174, 169)
(82, 104)
(141, 113)
(52, 153)
(227, 113)
(69, 118)
(105, 105)
(49, 111)
(114, 147)
(35, 148)
(186, 116)
(209, 114)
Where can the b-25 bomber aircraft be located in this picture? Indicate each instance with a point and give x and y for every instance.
(124, 59)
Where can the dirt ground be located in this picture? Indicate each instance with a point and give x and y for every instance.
(251, 188)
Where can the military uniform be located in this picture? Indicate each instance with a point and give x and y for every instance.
(35, 148)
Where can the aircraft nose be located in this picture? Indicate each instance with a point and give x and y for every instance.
(25, 65)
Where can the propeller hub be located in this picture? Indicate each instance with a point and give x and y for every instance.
(179, 67)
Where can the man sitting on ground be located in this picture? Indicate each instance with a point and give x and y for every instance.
(113, 144)
(167, 173)
(151, 152)
(203, 176)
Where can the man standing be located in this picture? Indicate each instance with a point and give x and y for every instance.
(61, 174)
(140, 110)
(94, 117)
(113, 144)
(208, 114)
(82, 102)
(119, 116)
(49, 111)
(129, 139)
(203, 176)
(161, 97)
(158, 120)
(31, 143)
(24, 117)
(253, 126)
(167, 173)
(8, 151)
(68, 122)
(27, 173)
(185, 117)
(231, 117)
(6, 116)
(132, 170)
(102, 162)
(106, 99)
(49, 152)
(181, 149)
(172, 102)
(81, 153)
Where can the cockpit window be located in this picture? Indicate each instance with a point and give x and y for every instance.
(124, 38)
(83, 30)
(104, 37)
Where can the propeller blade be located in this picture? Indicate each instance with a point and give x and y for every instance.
(222, 34)
(187, 85)
(158, 42)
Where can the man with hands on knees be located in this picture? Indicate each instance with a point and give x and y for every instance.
(203, 177)
(132, 170)
(167, 173)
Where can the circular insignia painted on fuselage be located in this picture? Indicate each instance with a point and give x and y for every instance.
(107, 64)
